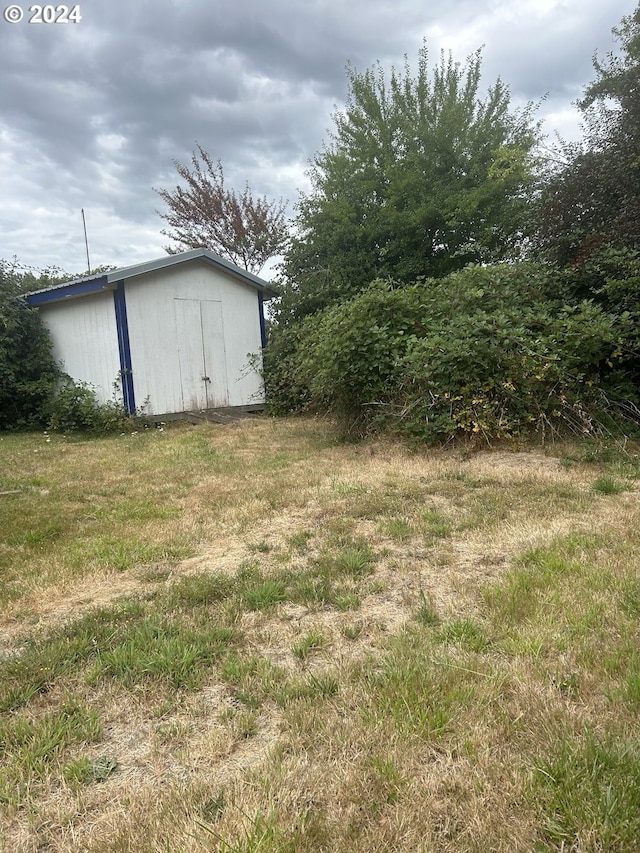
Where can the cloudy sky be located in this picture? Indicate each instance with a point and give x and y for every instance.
(93, 113)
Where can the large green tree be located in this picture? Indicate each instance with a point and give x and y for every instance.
(421, 176)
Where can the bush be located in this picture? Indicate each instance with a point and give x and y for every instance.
(75, 408)
(285, 388)
(28, 371)
(351, 352)
(489, 351)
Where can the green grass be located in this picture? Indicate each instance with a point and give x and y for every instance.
(397, 528)
(43, 661)
(434, 525)
(300, 540)
(588, 792)
(31, 750)
(85, 771)
(465, 633)
(311, 641)
(607, 485)
(159, 650)
(426, 612)
(263, 594)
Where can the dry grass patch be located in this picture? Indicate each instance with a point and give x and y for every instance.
(287, 643)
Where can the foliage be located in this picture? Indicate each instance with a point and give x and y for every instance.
(33, 389)
(590, 198)
(75, 407)
(286, 388)
(421, 177)
(28, 371)
(486, 351)
(205, 214)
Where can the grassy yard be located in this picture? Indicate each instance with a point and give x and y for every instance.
(257, 638)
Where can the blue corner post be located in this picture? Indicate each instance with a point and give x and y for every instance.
(263, 331)
(124, 348)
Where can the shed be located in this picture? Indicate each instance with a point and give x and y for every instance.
(178, 334)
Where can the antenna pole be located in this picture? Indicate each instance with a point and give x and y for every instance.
(86, 242)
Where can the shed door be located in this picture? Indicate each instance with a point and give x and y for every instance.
(201, 354)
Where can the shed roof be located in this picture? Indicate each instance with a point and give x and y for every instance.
(108, 280)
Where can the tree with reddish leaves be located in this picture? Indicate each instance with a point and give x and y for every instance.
(205, 214)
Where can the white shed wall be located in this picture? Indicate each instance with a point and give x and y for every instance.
(161, 336)
(85, 340)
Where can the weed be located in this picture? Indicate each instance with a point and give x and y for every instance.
(33, 748)
(522, 591)
(212, 808)
(260, 833)
(311, 641)
(84, 771)
(630, 596)
(434, 525)
(162, 651)
(42, 661)
(245, 725)
(321, 686)
(390, 777)
(253, 678)
(607, 485)
(347, 600)
(465, 633)
(427, 613)
(397, 528)
(351, 558)
(199, 590)
(264, 595)
(262, 547)
(300, 541)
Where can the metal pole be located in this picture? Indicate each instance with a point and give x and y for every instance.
(86, 242)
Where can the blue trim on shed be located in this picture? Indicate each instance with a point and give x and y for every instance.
(78, 288)
(126, 371)
(263, 331)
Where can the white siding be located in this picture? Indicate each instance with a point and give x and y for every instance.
(161, 335)
(194, 336)
(85, 340)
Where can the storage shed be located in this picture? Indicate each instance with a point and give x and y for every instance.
(178, 334)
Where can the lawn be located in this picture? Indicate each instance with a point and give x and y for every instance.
(256, 637)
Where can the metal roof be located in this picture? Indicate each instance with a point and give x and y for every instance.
(108, 280)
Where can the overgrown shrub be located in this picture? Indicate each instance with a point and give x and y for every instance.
(75, 408)
(489, 351)
(28, 371)
(285, 387)
(350, 354)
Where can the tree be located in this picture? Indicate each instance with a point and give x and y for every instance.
(205, 214)
(28, 371)
(591, 200)
(421, 177)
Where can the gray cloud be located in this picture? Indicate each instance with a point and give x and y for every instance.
(93, 114)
